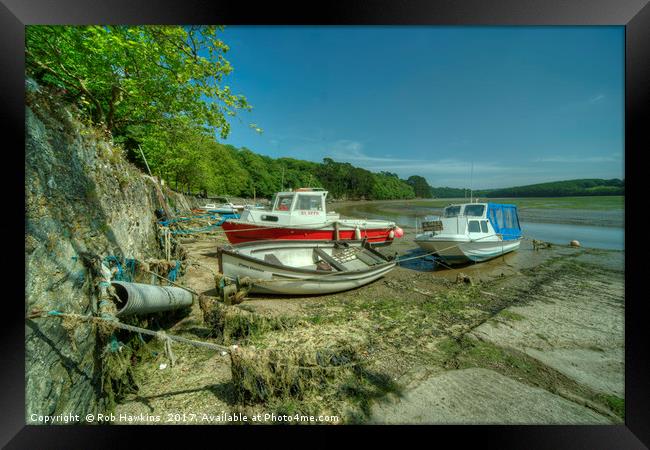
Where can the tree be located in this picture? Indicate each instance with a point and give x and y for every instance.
(420, 186)
(126, 75)
(160, 89)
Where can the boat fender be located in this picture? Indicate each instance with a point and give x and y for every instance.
(391, 234)
(398, 232)
(357, 233)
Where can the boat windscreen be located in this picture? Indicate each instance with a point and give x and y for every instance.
(310, 202)
(284, 203)
(474, 210)
(452, 211)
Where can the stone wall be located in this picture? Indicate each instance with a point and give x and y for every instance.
(81, 196)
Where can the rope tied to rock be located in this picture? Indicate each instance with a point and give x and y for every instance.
(162, 336)
(114, 321)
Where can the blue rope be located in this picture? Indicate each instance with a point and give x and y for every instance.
(224, 217)
(115, 345)
(114, 259)
(130, 265)
(124, 273)
(213, 216)
(173, 273)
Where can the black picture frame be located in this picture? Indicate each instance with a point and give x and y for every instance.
(633, 14)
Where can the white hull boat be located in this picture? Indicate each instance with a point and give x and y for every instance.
(303, 267)
(472, 232)
(227, 207)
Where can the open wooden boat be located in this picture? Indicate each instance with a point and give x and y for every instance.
(303, 266)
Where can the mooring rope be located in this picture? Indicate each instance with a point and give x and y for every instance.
(168, 338)
(398, 260)
(455, 245)
(171, 282)
(115, 322)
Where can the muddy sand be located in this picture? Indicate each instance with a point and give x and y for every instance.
(536, 337)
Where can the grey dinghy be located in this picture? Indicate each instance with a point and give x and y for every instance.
(304, 266)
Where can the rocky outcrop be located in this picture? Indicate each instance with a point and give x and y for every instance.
(81, 196)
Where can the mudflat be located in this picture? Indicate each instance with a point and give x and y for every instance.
(535, 336)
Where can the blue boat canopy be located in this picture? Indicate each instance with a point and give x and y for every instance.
(504, 220)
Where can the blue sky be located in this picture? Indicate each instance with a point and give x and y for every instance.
(523, 104)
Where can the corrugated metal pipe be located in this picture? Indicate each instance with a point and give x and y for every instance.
(138, 298)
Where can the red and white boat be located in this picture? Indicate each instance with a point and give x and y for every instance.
(302, 214)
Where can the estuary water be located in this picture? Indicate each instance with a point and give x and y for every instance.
(592, 228)
(610, 238)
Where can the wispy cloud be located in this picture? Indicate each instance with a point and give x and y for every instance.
(581, 104)
(597, 98)
(352, 151)
(579, 159)
(445, 166)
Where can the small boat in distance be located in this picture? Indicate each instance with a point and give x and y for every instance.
(471, 232)
(226, 207)
(302, 215)
(303, 267)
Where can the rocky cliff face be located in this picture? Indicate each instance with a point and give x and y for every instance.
(81, 196)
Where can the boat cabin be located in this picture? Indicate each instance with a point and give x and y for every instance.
(300, 207)
(476, 220)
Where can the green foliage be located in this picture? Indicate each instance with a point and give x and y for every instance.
(591, 186)
(616, 404)
(569, 188)
(388, 186)
(345, 181)
(448, 192)
(420, 186)
(125, 75)
(159, 91)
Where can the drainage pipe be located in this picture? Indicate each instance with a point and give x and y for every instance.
(138, 298)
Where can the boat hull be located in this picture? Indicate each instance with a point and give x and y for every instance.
(276, 279)
(466, 251)
(239, 232)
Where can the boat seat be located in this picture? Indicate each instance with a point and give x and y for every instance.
(331, 261)
(369, 259)
(346, 254)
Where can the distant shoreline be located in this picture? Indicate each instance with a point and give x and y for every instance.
(601, 211)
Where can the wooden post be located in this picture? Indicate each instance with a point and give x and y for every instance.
(336, 231)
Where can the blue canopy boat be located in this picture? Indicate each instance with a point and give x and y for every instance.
(471, 232)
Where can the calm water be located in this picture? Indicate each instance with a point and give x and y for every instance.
(612, 238)
(549, 228)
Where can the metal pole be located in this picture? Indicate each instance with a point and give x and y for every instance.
(471, 178)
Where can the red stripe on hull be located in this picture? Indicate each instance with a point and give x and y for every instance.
(236, 233)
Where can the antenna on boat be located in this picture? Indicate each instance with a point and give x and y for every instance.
(471, 176)
(282, 178)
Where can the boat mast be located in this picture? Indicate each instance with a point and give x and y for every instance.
(471, 176)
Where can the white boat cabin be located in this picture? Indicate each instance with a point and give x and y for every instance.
(484, 221)
(303, 206)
